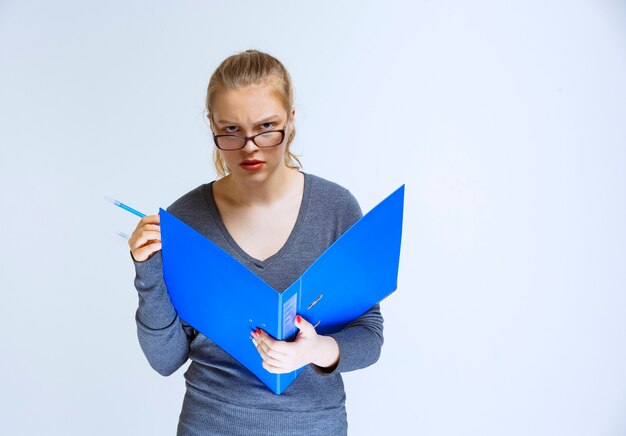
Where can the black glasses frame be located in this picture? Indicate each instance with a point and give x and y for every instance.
(251, 138)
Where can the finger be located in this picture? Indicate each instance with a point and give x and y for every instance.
(146, 251)
(279, 346)
(269, 344)
(274, 369)
(148, 219)
(270, 351)
(144, 237)
(141, 237)
(269, 360)
(303, 325)
(153, 227)
(263, 352)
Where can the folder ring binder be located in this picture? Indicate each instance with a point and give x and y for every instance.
(315, 302)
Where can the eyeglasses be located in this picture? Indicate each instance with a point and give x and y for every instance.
(271, 138)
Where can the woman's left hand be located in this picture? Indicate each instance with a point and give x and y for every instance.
(281, 357)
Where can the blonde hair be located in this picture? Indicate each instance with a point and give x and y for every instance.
(252, 67)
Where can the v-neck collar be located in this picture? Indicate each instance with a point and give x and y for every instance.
(210, 199)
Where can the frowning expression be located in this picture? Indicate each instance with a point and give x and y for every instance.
(246, 112)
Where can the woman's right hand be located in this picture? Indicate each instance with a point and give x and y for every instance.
(146, 239)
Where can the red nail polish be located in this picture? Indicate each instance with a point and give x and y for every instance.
(258, 331)
(298, 319)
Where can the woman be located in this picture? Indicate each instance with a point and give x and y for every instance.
(276, 220)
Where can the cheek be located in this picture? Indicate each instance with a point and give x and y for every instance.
(278, 154)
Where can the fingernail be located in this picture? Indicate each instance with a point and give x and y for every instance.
(258, 331)
(298, 319)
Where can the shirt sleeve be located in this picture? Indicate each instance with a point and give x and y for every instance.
(361, 341)
(161, 335)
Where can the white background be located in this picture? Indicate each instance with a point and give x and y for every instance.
(504, 119)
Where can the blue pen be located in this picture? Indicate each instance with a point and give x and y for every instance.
(123, 206)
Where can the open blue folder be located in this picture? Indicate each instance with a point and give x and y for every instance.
(224, 300)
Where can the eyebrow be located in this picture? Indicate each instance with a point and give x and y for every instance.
(264, 120)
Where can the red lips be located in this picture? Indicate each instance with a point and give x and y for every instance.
(252, 164)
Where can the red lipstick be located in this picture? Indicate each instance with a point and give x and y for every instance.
(252, 164)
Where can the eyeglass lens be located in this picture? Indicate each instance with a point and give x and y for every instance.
(267, 139)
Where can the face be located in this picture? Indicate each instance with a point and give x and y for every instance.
(247, 112)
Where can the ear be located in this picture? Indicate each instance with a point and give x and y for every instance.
(291, 116)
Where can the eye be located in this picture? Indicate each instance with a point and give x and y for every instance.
(227, 129)
(268, 125)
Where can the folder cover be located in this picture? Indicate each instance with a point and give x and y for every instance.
(224, 300)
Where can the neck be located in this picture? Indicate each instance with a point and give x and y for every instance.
(250, 192)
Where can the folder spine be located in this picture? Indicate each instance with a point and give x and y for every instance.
(279, 323)
(288, 311)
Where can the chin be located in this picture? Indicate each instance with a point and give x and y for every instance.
(255, 176)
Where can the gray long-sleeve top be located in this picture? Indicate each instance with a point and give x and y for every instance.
(222, 396)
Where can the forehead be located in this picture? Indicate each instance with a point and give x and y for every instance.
(248, 104)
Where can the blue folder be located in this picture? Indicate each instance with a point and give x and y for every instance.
(224, 300)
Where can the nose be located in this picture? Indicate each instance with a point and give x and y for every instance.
(250, 146)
